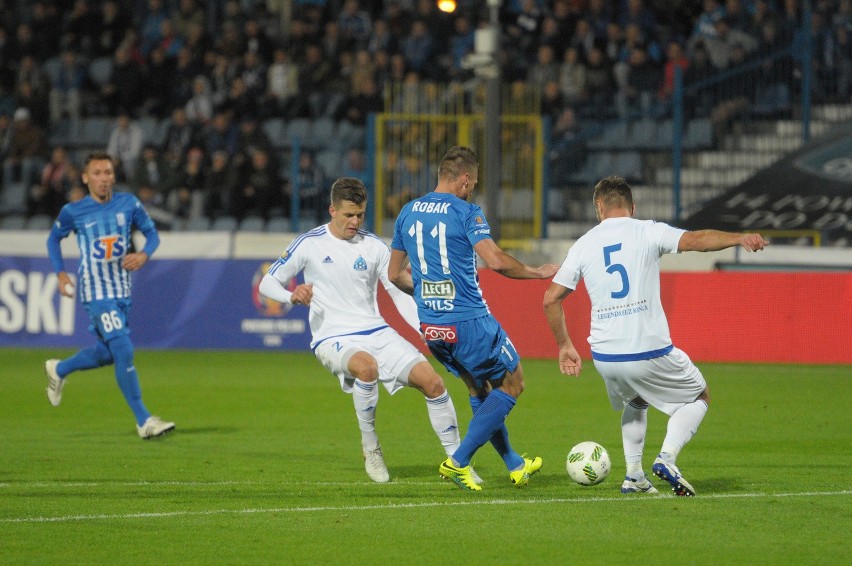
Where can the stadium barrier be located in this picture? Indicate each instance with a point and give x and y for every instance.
(200, 292)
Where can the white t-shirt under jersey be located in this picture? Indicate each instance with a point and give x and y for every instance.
(619, 261)
(345, 274)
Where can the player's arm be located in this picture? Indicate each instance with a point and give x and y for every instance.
(715, 240)
(61, 228)
(398, 272)
(136, 260)
(504, 264)
(569, 360)
(272, 285)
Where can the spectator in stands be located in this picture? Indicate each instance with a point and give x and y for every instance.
(642, 84)
(638, 14)
(239, 101)
(150, 25)
(733, 97)
(47, 196)
(170, 41)
(737, 16)
(198, 43)
(186, 69)
(124, 88)
(125, 145)
(221, 72)
(219, 185)
(252, 138)
(220, 134)
(675, 58)
(156, 89)
(256, 41)
(552, 35)
(80, 28)
(44, 22)
(354, 25)
(524, 27)
(568, 152)
(844, 65)
(599, 83)
(186, 199)
(721, 47)
(26, 154)
(199, 108)
(310, 184)
(545, 69)
(315, 74)
(552, 102)
(152, 174)
(259, 190)
(572, 77)
(111, 29)
(187, 16)
(381, 38)
(705, 23)
(229, 42)
(7, 132)
(366, 101)
(282, 87)
(252, 70)
(66, 95)
(701, 101)
(25, 44)
(180, 135)
(33, 88)
(418, 48)
(599, 15)
(584, 38)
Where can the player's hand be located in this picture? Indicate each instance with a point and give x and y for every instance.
(303, 294)
(753, 242)
(65, 285)
(569, 361)
(134, 261)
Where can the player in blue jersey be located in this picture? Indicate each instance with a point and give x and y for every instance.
(103, 222)
(631, 347)
(441, 234)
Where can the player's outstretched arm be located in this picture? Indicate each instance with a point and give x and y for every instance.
(569, 360)
(715, 240)
(504, 264)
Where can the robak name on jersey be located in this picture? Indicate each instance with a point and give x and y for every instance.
(433, 207)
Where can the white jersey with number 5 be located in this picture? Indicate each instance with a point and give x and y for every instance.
(619, 261)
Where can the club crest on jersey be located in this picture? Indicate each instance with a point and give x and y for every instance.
(120, 219)
(360, 264)
(107, 248)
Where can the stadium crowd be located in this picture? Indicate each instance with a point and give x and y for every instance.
(216, 71)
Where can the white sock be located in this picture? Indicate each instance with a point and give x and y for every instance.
(365, 396)
(634, 425)
(683, 425)
(442, 414)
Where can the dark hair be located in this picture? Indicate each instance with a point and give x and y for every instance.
(97, 156)
(458, 161)
(348, 188)
(613, 192)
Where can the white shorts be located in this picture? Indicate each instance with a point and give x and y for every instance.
(394, 355)
(666, 383)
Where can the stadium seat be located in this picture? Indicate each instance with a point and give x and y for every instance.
(349, 135)
(698, 134)
(224, 224)
(39, 222)
(150, 127)
(198, 224)
(52, 68)
(323, 132)
(642, 135)
(331, 162)
(299, 131)
(95, 131)
(252, 224)
(278, 224)
(100, 70)
(613, 136)
(628, 164)
(276, 129)
(13, 222)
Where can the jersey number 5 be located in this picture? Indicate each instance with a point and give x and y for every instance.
(616, 268)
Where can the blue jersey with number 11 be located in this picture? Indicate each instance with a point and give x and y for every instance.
(438, 232)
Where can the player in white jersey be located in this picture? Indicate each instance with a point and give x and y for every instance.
(342, 266)
(103, 222)
(631, 348)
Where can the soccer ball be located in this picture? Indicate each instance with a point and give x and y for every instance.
(588, 463)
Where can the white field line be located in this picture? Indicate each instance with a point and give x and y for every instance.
(486, 502)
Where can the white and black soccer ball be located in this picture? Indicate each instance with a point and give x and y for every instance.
(588, 463)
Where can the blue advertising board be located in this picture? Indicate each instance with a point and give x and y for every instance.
(177, 303)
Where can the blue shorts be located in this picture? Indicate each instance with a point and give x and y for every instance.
(479, 347)
(108, 318)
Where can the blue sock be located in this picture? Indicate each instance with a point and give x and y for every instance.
(125, 375)
(87, 358)
(487, 420)
(500, 441)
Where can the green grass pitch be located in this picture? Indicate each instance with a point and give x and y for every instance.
(265, 468)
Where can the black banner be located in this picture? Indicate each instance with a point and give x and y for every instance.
(810, 189)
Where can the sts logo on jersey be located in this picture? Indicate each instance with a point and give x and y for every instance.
(108, 248)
